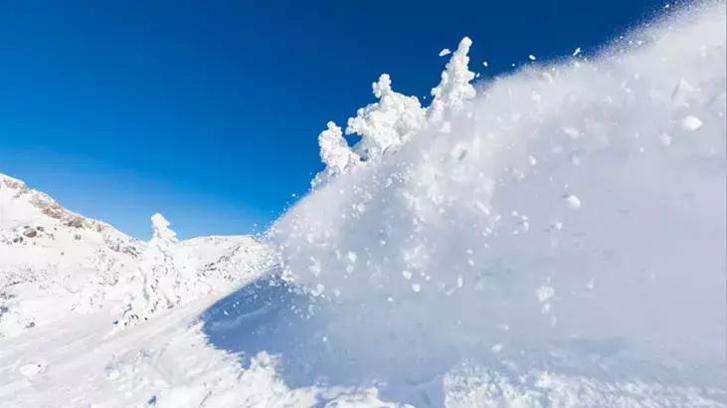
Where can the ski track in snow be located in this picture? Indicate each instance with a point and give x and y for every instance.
(545, 239)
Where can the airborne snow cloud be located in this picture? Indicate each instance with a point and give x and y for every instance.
(567, 217)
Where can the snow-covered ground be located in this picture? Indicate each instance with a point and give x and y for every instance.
(552, 238)
(90, 317)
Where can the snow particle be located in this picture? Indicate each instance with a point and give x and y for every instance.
(572, 132)
(572, 201)
(544, 293)
(691, 123)
(444, 52)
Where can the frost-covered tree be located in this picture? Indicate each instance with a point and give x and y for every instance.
(455, 88)
(386, 124)
(162, 234)
(161, 282)
(335, 154)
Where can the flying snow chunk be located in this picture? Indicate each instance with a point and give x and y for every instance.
(691, 123)
(485, 64)
(544, 293)
(445, 51)
(531, 57)
(573, 201)
(572, 132)
(576, 52)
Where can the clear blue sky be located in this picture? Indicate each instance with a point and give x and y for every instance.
(209, 111)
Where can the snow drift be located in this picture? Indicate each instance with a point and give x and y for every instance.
(568, 218)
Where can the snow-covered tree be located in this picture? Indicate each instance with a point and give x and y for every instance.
(386, 124)
(162, 234)
(162, 280)
(455, 88)
(335, 154)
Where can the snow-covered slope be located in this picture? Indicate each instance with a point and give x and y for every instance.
(90, 317)
(68, 282)
(51, 256)
(552, 238)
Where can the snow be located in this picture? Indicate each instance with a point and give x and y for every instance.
(161, 230)
(691, 123)
(386, 124)
(444, 52)
(335, 154)
(435, 263)
(455, 88)
(573, 201)
(602, 186)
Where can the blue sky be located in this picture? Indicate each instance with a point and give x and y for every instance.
(209, 111)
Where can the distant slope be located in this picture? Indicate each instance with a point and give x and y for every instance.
(54, 261)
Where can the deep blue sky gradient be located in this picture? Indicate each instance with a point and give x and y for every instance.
(209, 111)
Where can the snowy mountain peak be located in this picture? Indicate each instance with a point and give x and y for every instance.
(30, 215)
